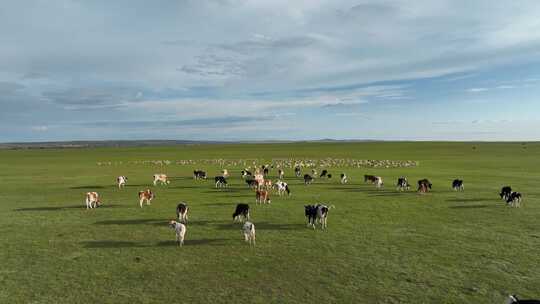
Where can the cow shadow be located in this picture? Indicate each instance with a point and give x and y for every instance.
(195, 242)
(259, 226)
(156, 222)
(471, 206)
(88, 187)
(56, 208)
(465, 200)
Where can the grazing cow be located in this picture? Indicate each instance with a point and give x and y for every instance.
(514, 199)
(457, 185)
(199, 174)
(344, 179)
(370, 179)
(308, 179)
(121, 181)
(180, 230)
(297, 171)
(146, 196)
(403, 184)
(324, 173)
(424, 185)
(317, 213)
(241, 212)
(249, 233)
(505, 192)
(379, 182)
(92, 200)
(182, 212)
(220, 181)
(262, 197)
(162, 178)
(225, 173)
(245, 173)
(252, 183)
(513, 299)
(282, 187)
(281, 174)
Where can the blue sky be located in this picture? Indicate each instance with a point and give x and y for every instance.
(258, 70)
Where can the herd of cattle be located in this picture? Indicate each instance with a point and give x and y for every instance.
(258, 181)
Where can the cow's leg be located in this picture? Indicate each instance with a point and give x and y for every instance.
(141, 201)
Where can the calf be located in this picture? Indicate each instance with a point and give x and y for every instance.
(282, 187)
(344, 179)
(162, 178)
(308, 179)
(241, 212)
(505, 192)
(92, 200)
(180, 230)
(424, 185)
(249, 233)
(514, 199)
(220, 181)
(199, 174)
(457, 185)
(182, 212)
(121, 181)
(146, 196)
(262, 197)
(403, 184)
(370, 179)
(281, 174)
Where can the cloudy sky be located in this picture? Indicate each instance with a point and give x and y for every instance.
(279, 69)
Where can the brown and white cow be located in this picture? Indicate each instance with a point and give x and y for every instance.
(262, 197)
(259, 178)
(146, 196)
(162, 178)
(92, 200)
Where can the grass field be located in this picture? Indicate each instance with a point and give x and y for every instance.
(381, 246)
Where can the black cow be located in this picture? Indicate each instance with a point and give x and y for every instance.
(241, 211)
(424, 185)
(308, 179)
(199, 174)
(220, 181)
(505, 192)
(329, 175)
(514, 199)
(403, 184)
(457, 185)
(245, 173)
(252, 183)
(324, 173)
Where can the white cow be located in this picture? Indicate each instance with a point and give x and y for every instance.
(162, 178)
(92, 200)
(121, 181)
(180, 230)
(249, 233)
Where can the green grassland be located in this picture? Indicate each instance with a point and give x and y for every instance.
(381, 246)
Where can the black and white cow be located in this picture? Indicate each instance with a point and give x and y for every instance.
(282, 187)
(246, 173)
(324, 173)
(297, 171)
(281, 173)
(308, 179)
(403, 184)
(182, 212)
(317, 213)
(514, 199)
(513, 299)
(457, 185)
(121, 181)
(220, 181)
(505, 192)
(252, 183)
(370, 179)
(199, 174)
(344, 179)
(241, 212)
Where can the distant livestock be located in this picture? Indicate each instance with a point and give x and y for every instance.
(370, 179)
(262, 197)
(199, 174)
(379, 182)
(343, 178)
(146, 196)
(225, 173)
(241, 212)
(403, 184)
(180, 230)
(182, 212)
(221, 182)
(252, 183)
(92, 200)
(513, 299)
(249, 233)
(308, 179)
(162, 178)
(282, 187)
(317, 214)
(424, 185)
(514, 199)
(281, 173)
(505, 192)
(457, 185)
(297, 171)
(324, 173)
(121, 181)
(246, 173)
